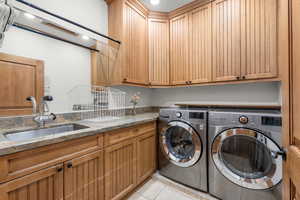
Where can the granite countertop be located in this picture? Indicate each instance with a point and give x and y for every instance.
(9, 147)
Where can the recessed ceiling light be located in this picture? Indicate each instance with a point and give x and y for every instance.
(154, 2)
(85, 37)
(30, 16)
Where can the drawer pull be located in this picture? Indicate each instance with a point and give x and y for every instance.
(69, 165)
(59, 169)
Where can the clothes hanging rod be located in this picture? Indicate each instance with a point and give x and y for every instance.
(67, 20)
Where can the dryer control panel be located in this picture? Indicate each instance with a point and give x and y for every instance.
(271, 121)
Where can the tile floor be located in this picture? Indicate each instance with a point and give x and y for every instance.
(160, 188)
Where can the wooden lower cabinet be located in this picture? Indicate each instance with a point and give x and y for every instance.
(110, 173)
(46, 184)
(146, 156)
(84, 177)
(120, 169)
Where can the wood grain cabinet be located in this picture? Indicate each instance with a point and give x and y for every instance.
(244, 39)
(19, 78)
(179, 52)
(84, 177)
(135, 44)
(200, 39)
(226, 40)
(46, 184)
(83, 168)
(128, 23)
(259, 39)
(146, 156)
(159, 55)
(120, 170)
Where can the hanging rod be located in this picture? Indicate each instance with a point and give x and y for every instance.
(69, 21)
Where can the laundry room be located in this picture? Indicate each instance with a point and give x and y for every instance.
(149, 100)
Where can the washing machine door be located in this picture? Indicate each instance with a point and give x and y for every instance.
(181, 144)
(247, 158)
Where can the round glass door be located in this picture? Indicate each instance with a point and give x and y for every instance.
(247, 158)
(181, 144)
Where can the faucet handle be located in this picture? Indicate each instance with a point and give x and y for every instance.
(29, 98)
(48, 98)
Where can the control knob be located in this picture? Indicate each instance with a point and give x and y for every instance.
(178, 114)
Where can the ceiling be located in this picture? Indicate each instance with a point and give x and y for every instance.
(165, 5)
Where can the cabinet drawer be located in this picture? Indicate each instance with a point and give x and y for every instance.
(144, 128)
(120, 135)
(117, 136)
(26, 162)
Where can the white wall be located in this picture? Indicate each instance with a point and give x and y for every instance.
(65, 65)
(254, 94)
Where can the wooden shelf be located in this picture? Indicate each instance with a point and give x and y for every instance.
(275, 107)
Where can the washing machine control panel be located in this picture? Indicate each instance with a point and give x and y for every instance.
(243, 120)
(178, 114)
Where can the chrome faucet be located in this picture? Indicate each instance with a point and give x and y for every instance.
(41, 112)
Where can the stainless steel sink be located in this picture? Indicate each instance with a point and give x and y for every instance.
(36, 133)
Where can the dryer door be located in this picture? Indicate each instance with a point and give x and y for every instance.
(247, 158)
(181, 144)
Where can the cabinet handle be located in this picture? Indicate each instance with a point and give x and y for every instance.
(69, 165)
(59, 169)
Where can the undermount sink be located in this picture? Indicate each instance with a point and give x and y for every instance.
(36, 133)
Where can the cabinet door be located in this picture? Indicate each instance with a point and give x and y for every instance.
(259, 39)
(46, 184)
(120, 170)
(200, 54)
(135, 37)
(179, 38)
(146, 156)
(226, 40)
(83, 178)
(159, 58)
(20, 78)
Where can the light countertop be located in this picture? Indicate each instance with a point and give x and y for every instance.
(9, 147)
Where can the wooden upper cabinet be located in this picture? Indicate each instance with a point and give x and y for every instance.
(159, 56)
(19, 78)
(46, 184)
(226, 40)
(120, 169)
(135, 46)
(200, 55)
(179, 52)
(259, 39)
(84, 177)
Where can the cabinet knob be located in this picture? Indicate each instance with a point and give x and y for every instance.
(125, 80)
(190, 82)
(59, 169)
(187, 82)
(69, 165)
(238, 78)
(244, 77)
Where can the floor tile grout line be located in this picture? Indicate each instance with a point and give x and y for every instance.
(165, 186)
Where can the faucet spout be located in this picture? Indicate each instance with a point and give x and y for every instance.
(41, 111)
(34, 104)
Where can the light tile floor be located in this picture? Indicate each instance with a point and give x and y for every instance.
(161, 188)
